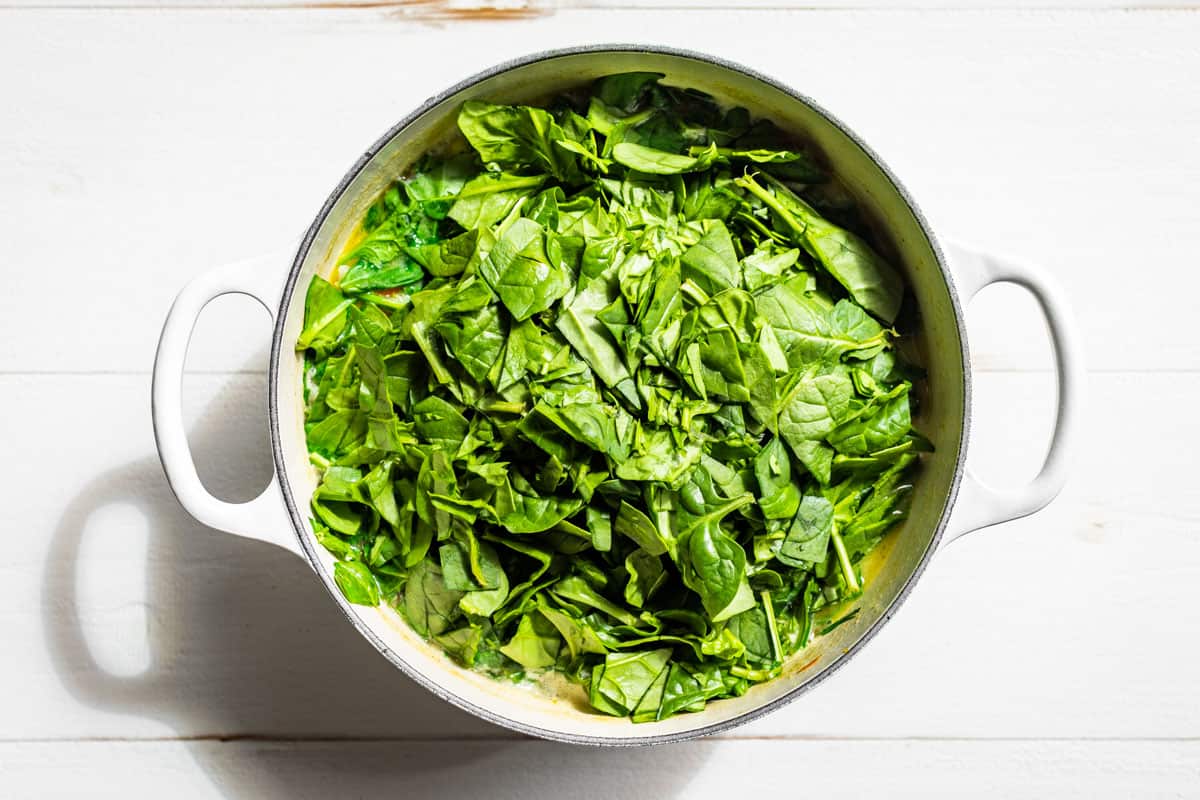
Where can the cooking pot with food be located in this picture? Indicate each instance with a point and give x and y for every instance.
(947, 501)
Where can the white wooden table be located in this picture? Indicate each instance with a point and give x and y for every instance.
(144, 655)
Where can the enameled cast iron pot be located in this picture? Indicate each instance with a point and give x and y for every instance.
(947, 501)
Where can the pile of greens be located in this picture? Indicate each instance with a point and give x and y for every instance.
(612, 393)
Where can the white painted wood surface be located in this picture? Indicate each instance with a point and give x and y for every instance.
(146, 654)
(512, 770)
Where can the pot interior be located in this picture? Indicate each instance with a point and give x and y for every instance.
(561, 712)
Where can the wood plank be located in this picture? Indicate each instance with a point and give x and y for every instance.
(1072, 623)
(1040, 134)
(514, 770)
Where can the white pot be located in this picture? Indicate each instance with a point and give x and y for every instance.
(947, 501)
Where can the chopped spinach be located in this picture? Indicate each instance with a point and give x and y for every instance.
(605, 394)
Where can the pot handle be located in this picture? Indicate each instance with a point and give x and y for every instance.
(264, 518)
(979, 505)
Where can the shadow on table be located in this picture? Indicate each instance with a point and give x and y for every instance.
(245, 643)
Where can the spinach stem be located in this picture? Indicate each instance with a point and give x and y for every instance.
(844, 560)
(694, 292)
(776, 648)
(748, 183)
(757, 224)
(573, 529)
(502, 406)
(398, 301)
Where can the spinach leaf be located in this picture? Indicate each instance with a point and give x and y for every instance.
(689, 687)
(601, 526)
(486, 601)
(634, 523)
(808, 537)
(646, 575)
(713, 564)
(712, 262)
(475, 339)
(324, 316)
(880, 429)
(765, 267)
(627, 677)
(456, 569)
(365, 275)
(438, 182)
(439, 423)
(872, 282)
(578, 635)
(519, 271)
(357, 582)
(811, 411)
(463, 644)
(659, 162)
(490, 197)
(430, 607)
(521, 510)
(810, 328)
(447, 258)
(517, 136)
(753, 631)
(535, 644)
(623, 91)
(576, 589)
(580, 326)
(657, 455)
(715, 568)
(779, 496)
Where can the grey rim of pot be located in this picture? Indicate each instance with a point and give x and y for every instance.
(298, 520)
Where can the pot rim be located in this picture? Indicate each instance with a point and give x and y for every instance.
(298, 521)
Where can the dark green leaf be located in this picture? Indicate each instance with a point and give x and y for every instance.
(807, 539)
(430, 607)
